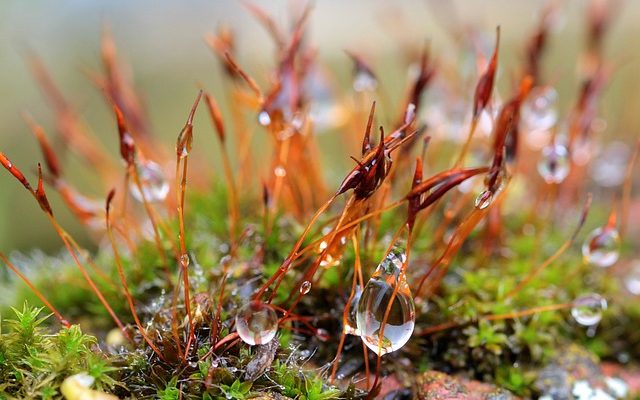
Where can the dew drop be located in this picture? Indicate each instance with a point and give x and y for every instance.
(322, 334)
(184, 260)
(484, 199)
(264, 118)
(305, 287)
(256, 323)
(554, 164)
(364, 82)
(154, 185)
(279, 171)
(538, 111)
(602, 247)
(375, 300)
(632, 279)
(587, 309)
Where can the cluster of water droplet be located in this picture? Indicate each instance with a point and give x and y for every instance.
(380, 335)
(602, 247)
(587, 309)
(152, 181)
(256, 323)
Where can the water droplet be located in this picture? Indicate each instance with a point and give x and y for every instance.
(554, 164)
(484, 199)
(364, 82)
(322, 334)
(154, 185)
(256, 323)
(538, 111)
(632, 278)
(602, 247)
(305, 287)
(587, 309)
(608, 170)
(373, 305)
(264, 118)
(184, 259)
(280, 171)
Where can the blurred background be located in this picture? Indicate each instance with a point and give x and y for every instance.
(163, 44)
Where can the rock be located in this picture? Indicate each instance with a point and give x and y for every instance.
(434, 385)
(262, 360)
(577, 375)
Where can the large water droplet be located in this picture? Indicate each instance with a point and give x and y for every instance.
(632, 278)
(373, 305)
(154, 185)
(587, 309)
(602, 247)
(538, 111)
(554, 164)
(256, 323)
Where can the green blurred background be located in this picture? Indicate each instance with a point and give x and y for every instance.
(162, 41)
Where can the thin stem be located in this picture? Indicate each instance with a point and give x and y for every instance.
(347, 307)
(467, 143)
(63, 235)
(127, 294)
(26, 280)
(536, 271)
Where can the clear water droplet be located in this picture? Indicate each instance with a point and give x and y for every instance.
(154, 185)
(256, 323)
(539, 110)
(587, 309)
(632, 278)
(484, 199)
(184, 259)
(609, 168)
(373, 305)
(322, 334)
(264, 118)
(554, 164)
(305, 287)
(602, 247)
(364, 82)
(279, 171)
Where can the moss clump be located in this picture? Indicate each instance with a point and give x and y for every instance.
(34, 362)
